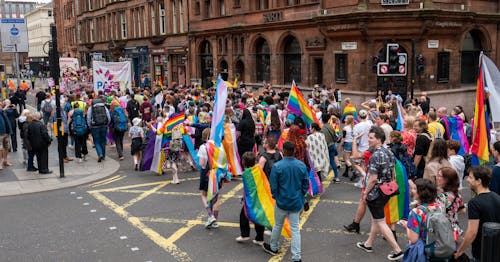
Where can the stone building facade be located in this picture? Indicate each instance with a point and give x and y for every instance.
(38, 24)
(331, 42)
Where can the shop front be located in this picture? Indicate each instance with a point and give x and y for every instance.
(178, 59)
(139, 56)
(160, 65)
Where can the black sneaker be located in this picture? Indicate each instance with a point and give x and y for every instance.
(395, 256)
(306, 206)
(267, 249)
(365, 248)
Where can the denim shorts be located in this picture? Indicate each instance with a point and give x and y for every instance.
(347, 147)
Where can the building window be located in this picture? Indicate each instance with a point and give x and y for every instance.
(89, 2)
(219, 46)
(225, 45)
(236, 4)
(91, 26)
(292, 2)
(236, 51)
(208, 7)
(78, 32)
(181, 17)
(174, 17)
(197, 8)
(153, 20)
(222, 7)
(443, 69)
(262, 4)
(124, 24)
(341, 68)
(262, 61)
(292, 61)
(49, 13)
(163, 27)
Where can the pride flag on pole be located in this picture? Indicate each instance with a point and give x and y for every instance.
(480, 132)
(298, 105)
(217, 131)
(258, 201)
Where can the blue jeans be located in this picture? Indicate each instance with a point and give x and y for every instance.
(99, 134)
(332, 152)
(279, 218)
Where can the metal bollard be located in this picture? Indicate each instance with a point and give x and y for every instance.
(489, 244)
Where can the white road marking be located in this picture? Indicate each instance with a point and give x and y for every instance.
(72, 193)
(79, 197)
(85, 204)
(135, 249)
(93, 211)
(112, 228)
(102, 218)
(123, 237)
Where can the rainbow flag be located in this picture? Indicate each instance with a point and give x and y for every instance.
(258, 201)
(398, 207)
(480, 130)
(231, 148)
(298, 105)
(218, 170)
(174, 120)
(349, 109)
(189, 144)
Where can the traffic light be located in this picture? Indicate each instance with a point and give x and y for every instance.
(375, 60)
(395, 62)
(420, 63)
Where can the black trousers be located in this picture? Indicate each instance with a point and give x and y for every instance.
(42, 158)
(80, 146)
(118, 135)
(64, 145)
(245, 227)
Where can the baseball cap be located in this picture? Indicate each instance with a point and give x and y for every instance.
(362, 113)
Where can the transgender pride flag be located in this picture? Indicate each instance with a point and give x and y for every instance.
(217, 131)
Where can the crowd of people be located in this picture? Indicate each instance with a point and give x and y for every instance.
(365, 141)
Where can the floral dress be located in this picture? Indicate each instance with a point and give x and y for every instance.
(452, 204)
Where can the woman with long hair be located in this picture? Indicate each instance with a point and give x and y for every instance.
(437, 160)
(348, 136)
(273, 127)
(450, 199)
(246, 130)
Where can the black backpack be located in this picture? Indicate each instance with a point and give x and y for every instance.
(99, 115)
(270, 160)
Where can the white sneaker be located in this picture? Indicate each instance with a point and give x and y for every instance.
(267, 232)
(259, 243)
(242, 239)
(80, 160)
(84, 157)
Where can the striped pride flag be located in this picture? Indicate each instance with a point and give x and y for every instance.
(298, 105)
(480, 132)
(258, 201)
(398, 207)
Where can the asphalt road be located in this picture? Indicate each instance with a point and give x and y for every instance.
(137, 216)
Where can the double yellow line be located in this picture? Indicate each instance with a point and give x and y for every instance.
(106, 181)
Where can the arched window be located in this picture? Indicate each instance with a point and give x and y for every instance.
(206, 64)
(471, 48)
(292, 61)
(262, 60)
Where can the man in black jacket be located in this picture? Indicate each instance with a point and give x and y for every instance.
(132, 108)
(40, 141)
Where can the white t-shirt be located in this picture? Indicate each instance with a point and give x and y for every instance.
(457, 162)
(348, 134)
(363, 128)
(202, 153)
(387, 131)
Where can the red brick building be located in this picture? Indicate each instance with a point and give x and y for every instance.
(330, 42)
(65, 12)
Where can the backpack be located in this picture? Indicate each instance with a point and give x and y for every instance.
(440, 240)
(47, 107)
(406, 161)
(119, 120)
(78, 123)
(99, 116)
(270, 160)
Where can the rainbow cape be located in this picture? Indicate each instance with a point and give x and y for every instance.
(398, 207)
(258, 201)
(349, 109)
(190, 146)
(400, 119)
(217, 130)
(457, 133)
(298, 105)
(231, 148)
(218, 170)
(480, 128)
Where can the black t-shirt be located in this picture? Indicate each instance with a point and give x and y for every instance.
(486, 208)
(40, 96)
(422, 145)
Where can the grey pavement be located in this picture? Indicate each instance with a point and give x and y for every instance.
(15, 180)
